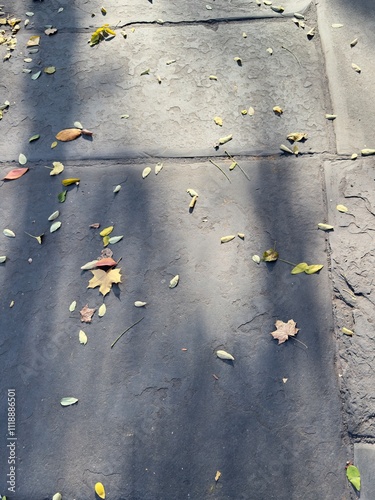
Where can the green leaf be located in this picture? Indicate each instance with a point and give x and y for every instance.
(68, 401)
(270, 255)
(22, 160)
(36, 75)
(314, 268)
(62, 196)
(34, 138)
(50, 70)
(114, 239)
(300, 268)
(352, 473)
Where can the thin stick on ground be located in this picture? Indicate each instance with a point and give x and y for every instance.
(238, 165)
(221, 170)
(299, 342)
(123, 333)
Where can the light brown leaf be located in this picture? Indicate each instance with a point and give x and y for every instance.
(68, 134)
(104, 280)
(284, 330)
(86, 314)
(297, 136)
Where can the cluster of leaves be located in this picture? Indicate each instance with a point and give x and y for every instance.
(101, 34)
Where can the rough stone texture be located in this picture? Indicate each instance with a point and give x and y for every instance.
(350, 92)
(353, 259)
(78, 13)
(152, 423)
(176, 117)
(364, 458)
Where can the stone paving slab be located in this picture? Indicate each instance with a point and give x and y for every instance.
(353, 259)
(364, 458)
(350, 91)
(174, 118)
(152, 422)
(79, 13)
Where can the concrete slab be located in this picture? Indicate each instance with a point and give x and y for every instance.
(152, 422)
(350, 91)
(353, 259)
(85, 14)
(176, 117)
(364, 459)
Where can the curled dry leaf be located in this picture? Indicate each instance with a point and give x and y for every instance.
(311, 33)
(238, 60)
(354, 42)
(270, 255)
(50, 70)
(14, 174)
(346, 331)
(69, 182)
(284, 330)
(99, 490)
(270, 51)
(241, 235)
(58, 167)
(356, 68)
(192, 192)
(218, 120)
(174, 281)
(96, 225)
(224, 355)
(50, 31)
(297, 136)
(86, 314)
(139, 303)
(225, 239)
(67, 401)
(217, 476)
(82, 337)
(325, 227)
(68, 134)
(277, 110)
(193, 202)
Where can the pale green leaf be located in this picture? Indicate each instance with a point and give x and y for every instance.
(313, 268)
(115, 239)
(325, 227)
(146, 172)
(174, 281)
(9, 233)
(300, 268)
(117, 188)
(225, 239)
(36, 75)
(22, 160)
(34, 138)
(68, 401)
(3, 258)
(354, 476)
(102, 310)
(342, 208)
(54, 215)
(72, 306)
(55, 226)
(139, 303)
(224, 355)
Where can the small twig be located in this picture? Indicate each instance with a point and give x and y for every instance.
(299, 342)
(221, 170)
(238, 165)
(123, 333)
(295, 57)
(287, 262)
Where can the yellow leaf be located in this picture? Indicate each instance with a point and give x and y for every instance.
(58, 167)
(50, 70)
(106, 231)
(313, 268)
(225, 239)
(102, 310)
(300, 268)
(277, 110)
(68, 182)
(346, 331)
(342, 208)
(218, 121)
(217, 476)
(105, 241)
(99, 490)
(82, 337)
(104, 280)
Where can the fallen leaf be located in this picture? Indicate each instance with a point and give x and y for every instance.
(354, 156)
(218, 121)
(168, 63)
(346, 331)
(146, 72)
(284, 330)
(212, 77)
(22, 159)
(313, 268)
(9, 233)
(256, 259)
(277, 8)
(224, 140)
(299, 268)
(356, 68)
(270, 255)
(241, 235)
(3, 258)
(193, 202)
(87, 313)
(54, 215)
(217, 476)
(54, 144)
(117, 188)
(89, 265)
(238, 60)
(297, 136)
(50, 31)
(270, 51)
(354, 42)
(96, 225)
(244, 112)
(14, 174)
(68, 182)
(342, 208)
(99, 490)
(62, 196)
(331, 117)
(101, 34)
(104, 280)
(146, 172)
(251, 111)
(158, 168)
(55, 226)
(115, 239)
(58, 167)
(107, 262)
(33, 41)
(68, 401)
(57, 496)
(325, 227)
(233, 165)
(50, 70)
(106, 231)
(68, 134)
(286, 149)
(174, 281)
(224, 355)
(277, 110)
(225, 239)
(102, 310)
(36, 75)
(37, 238)
(72, 306)
(103, 11)
(34, 138)
(354, 476)
(11, 304)
(311, 33)
(78, 125)
(336, 25)
(139, 303)
(105, 240)
(367, 152)
(82, 337)
(192, 192)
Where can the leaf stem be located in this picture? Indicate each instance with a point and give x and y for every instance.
(221, 170)
(287, 262)
(238, 165)
(123, 333)
(299, 342)
(296, 58)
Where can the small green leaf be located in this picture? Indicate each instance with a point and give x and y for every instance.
(270, 255)
(102, 310)
(50, 70)
(54, 144)
(54, 215)
(68, 401)
(36, 75)
(22, 160)
(146, 172)
(352, 473)
(62, 196)
(72, 306)
(313, 268)
(114, 239)
(78, 125)
(34, 138)
(300, 268)
(55, 226)
(82, 337)
(256, 259)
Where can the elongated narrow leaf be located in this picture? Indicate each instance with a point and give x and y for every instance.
(73, 306)
(227, 138)
(107, 262)
(342, 208)
(346, 331)
(325, 227)
(89, 265)
(55, 226)
(106, 231)
(68, 134)
(300, 268)
(34, 138)
(16, 173)
(9, 233)
(117, 188)
(139, 303)
(54, 215)
(102, 310)
(174, 281)
(354, 476)
(225, 239)
(68, 401)
(356, 68)
(68, 182)
(158, 168)
(115, 239)
(224, 355)
(367, 152)
(354, 42)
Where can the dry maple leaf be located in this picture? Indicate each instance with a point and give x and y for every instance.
(284, 330)
(86, 314)
(104, 280)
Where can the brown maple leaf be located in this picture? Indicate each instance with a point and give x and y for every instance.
(86, 314)
(284, 330)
